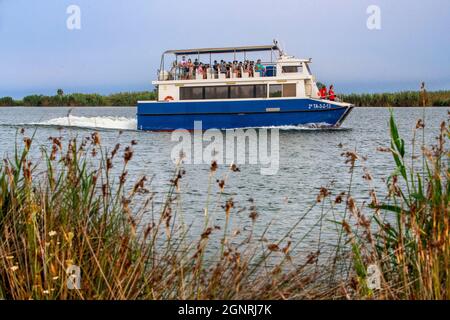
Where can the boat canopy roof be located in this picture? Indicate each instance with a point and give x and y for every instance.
(186, 52)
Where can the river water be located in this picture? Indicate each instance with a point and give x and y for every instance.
(309, 159)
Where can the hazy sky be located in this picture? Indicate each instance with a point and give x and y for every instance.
(120, 42)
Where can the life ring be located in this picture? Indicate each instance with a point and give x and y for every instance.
(168, 98)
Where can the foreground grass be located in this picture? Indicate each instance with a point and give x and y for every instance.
(406, 236)
(70, 209)
(75, 213)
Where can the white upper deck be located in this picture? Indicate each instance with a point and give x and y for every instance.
(188, 69)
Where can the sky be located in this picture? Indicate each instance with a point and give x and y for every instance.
(120, 43)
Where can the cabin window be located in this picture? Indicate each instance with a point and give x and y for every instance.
(285, 90)
(216, 92)
(289, 90)
(242, 92)
(261, 91)
(291, 69)
(191, 93)
(275, 91)
(226, 92)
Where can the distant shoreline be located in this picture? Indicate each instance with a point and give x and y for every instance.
(130, 99)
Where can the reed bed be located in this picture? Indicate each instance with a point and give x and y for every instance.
(399, 99)
(69, 209)
(405, 235)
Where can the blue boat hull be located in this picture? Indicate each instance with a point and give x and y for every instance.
(161, 116)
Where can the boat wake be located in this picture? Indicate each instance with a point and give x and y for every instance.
(123, 123)
(308, 127)
(118, 123)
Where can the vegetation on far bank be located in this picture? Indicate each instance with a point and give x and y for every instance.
(396, 99)
(80, 99)
(400, 99)
(70, 209)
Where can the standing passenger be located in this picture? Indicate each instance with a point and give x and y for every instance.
(200, 70)
(183, 68)
(249, 69)
(323, 92)
(223, 68)
(196, 64)
(190, 67)
(331, 94)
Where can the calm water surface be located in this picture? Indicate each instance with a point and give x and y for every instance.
(309, 159)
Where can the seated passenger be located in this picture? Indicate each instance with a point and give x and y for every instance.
(260, 68)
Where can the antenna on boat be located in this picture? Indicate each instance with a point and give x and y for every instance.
(279, 46)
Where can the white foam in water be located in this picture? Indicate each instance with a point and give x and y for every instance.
(309, 126)
(120, 123)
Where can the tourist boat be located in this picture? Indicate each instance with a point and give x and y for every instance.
(283, 93)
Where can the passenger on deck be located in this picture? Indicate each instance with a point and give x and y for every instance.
(249, 69)
(323, 92)
(223, 67)
(190, 67)
(206, 69)
(229, 70)
(189, 70)
(200, 70)
(183, 68)
(196, 63)
(235, 69)
(173, 70)
(260, 68)
(331, 94)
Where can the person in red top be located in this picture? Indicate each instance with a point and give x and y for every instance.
(331, 94)
(323, 92)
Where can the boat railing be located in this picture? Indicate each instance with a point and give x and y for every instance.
(177, 73)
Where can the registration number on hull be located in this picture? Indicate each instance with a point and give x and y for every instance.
(319, 106)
